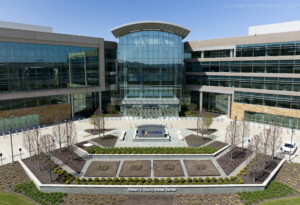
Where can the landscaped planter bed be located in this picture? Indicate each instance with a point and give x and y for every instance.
(201, 168)
(151, 150)
(247, 172)
(42, 175)
(196, 141)
(137, 168)
(290, 174)
(217, 144)
(167, 168)
(103, 169)
(229, 165)
(107, 141)
(65, 156)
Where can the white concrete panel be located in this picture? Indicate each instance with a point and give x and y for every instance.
(274, 28)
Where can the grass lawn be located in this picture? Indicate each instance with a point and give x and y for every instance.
(286, 201)
(13, 199)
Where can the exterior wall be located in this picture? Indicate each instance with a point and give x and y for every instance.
(264, 38)
(238, 109)
(47, 113)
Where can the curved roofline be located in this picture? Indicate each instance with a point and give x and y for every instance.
(150, 25)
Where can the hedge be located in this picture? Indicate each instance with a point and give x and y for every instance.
(152, 150)
(274, 190)
(30, 190)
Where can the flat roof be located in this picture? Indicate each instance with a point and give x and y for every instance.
(28, 27)
(150, 25)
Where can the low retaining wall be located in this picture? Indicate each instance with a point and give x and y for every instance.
(151, 189)
(85, 154)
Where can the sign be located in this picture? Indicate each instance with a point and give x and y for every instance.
(144, 131)
(151, 190)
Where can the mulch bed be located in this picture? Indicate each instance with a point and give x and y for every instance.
(106, 141)
(96, 131)
(201, 168)
(217, 144)
(262, 175)
(138, 168)
(167, 168)
(102, 169)
(76, 164)
(43, 175)
(205, 132)
(194, 141)
(228, 164)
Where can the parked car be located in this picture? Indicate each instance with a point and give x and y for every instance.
(289, 147)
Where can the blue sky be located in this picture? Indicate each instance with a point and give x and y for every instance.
(207, 19)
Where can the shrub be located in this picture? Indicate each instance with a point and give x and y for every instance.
(207, 179)
(96, 179)
(189, 179)
(156, 180)
(176, 180)
(226, 179)
(90, 179)
(200, 180)
(169, 180)
(182, 180)
(214, 179)
(122, 179)
(244, 173)
(142, 180)
(239, 173)
(232, 178)
(115, 179)
(195, 179)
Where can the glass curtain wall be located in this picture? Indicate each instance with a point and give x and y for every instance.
(85, 104)
(150, 66)
(274, 66)
(215, 102)
(270, 119)
(25, 66)
(264, 83)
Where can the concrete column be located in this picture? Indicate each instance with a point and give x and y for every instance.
(231, 53)
(72, 105)
(229, 106)
(100, 100)
(202, 54)
(200, 100)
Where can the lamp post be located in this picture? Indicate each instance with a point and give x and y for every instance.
(293, 131)
(1, 157)
(234, 130)
(20, 150)
(11, 145)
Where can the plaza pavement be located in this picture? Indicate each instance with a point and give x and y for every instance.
(129, 124)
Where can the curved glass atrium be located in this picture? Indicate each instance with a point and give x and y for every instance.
(150, 67)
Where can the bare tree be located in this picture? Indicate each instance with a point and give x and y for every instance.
(245, 131)
(47, 145)
(233, 135)
(71, 136)
(266, 138)
(58, 132)
(28, 141)
(276, 139)
(36, 144)
(256, 146)
(98, 121)
(204, 121)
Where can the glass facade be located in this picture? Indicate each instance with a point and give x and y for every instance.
(270, 119)
(32, 102)
(19, 122)
(150, 66)
(85, 104)
(282, 66)
(215, 102)
(283, 84)
(25, 66)
(283, 101)
(269, 49)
